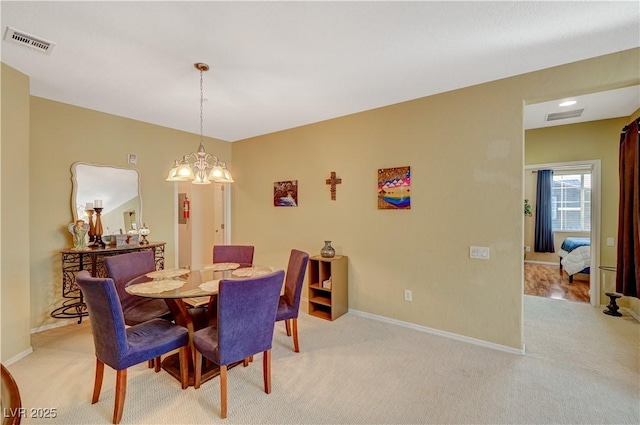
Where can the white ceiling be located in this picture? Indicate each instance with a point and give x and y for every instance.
(278, 65)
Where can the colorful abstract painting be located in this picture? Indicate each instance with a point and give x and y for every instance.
(285, 194)
(394, 188)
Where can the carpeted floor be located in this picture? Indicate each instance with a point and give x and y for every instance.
(580, 367)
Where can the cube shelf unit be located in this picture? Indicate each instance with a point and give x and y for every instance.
(328, 303)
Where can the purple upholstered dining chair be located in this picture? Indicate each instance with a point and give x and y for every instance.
(124, 267)
(121, 347)
(246, 318)
(241, 254)
(289, 304)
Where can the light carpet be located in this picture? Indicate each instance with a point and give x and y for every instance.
(580, 367)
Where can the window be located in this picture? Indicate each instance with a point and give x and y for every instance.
(571, 200)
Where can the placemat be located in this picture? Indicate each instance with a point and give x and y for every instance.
(156, 286)
(210, 286)
(252, 271)
(169, 273)
(220, 267)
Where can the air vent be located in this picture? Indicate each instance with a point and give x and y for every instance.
(564, 115)
(31, 41)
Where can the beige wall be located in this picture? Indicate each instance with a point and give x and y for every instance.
(466, 153)
(14, 215)
(61, 135)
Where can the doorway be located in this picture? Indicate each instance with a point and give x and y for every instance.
(570, 220)
(207, 224)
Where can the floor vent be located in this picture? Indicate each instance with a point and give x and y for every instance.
(564, 115)
(31, 41)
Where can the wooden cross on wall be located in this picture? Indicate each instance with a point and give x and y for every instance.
(333, 181)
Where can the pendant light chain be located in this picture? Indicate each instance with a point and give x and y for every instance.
(201, 102)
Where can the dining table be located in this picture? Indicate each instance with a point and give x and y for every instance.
(191, 296)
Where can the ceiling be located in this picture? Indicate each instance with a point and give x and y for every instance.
(278, 65)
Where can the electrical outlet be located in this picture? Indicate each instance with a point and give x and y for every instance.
(132, 158)
(479, 252)
(408, 296)
(527, 248)
(610, 242)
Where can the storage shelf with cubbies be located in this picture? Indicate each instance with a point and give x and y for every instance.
(328, 287)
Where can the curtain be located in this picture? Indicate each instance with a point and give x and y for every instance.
(628, 262)
(544, 225)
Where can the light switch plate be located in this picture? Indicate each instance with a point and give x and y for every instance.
(479, 252)
(610, 242)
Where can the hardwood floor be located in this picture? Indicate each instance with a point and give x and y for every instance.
(550, 282)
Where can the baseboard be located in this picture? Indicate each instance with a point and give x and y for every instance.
(546, 263)
(54, 325)
(438, 332)
(632, 313)
(19, 356)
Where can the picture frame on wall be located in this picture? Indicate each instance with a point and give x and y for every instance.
(285, 193)
(394, 188)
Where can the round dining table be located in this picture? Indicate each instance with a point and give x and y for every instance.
(191, 296)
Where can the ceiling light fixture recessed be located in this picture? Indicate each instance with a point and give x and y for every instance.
(568, 103)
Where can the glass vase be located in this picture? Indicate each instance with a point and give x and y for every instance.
(327, 251)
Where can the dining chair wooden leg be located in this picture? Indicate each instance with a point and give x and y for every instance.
(296, 347)
(266, 371)
(97, 386)
(184, 367)
(121, 392)
(287, 326)
(157, 364)
(223, 391)
(197, 369)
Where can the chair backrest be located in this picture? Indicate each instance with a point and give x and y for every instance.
(124, 267)
(107, 320)
(296, 269)
(241, 254)
(246, 315)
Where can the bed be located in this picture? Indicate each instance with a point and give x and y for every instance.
(575, 256)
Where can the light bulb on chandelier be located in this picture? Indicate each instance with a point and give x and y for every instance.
(200, 167)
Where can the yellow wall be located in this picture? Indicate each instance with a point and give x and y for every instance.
(14, 215)
(466, 153)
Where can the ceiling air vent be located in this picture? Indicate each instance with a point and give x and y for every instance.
(31, 41)
(564, 115)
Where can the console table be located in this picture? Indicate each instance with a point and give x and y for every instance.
(92, 260)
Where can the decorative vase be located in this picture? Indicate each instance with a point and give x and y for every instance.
(327, 251)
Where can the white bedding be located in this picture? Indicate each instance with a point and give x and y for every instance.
(576, 260)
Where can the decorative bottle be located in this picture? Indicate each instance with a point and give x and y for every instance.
(327, 251)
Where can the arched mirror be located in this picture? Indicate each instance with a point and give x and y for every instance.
(117, 188)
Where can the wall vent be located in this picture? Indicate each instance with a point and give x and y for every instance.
(564, 115)
(31, 41)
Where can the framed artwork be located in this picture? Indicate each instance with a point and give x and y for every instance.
(285, 193)
(394, 188)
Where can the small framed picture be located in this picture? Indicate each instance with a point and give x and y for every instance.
(285, 193)
(394, 188)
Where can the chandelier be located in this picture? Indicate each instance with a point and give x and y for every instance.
(200, 167)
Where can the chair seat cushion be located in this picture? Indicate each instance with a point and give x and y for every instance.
(145, 310)
(206, 341)
(285, 311)
(150, 340)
